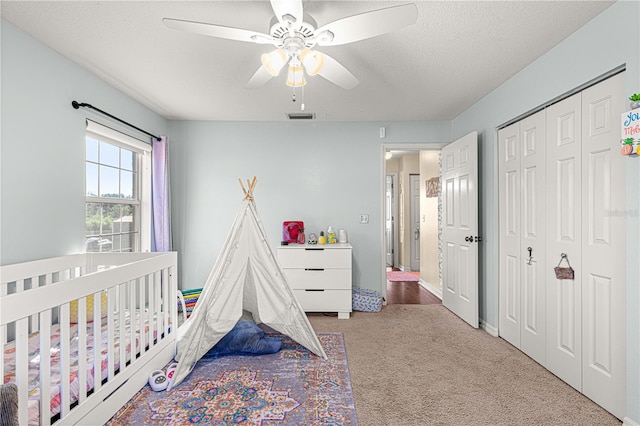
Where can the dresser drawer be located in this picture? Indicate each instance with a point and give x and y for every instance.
(324, 300)
(314, 257)
(318, 278)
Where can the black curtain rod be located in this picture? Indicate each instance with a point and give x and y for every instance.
(77, 105)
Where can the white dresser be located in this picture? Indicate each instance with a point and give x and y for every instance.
(320, 276)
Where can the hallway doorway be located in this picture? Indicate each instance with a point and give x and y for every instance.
(411, 221)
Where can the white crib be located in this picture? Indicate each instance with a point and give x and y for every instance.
(139, 290)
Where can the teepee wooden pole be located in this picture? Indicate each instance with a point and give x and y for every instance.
(242, 186)
(248, 194)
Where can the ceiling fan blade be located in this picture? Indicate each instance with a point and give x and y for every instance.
(220, 31)
(287, 10)
(366, 25)
(259, 78)
(336, 73)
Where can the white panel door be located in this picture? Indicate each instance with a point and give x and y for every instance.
(509, 221)
(564, 175)
(460, 228)
(414, 217)
(533, 237)
(521, 167)
(603, 253)
(388, 213)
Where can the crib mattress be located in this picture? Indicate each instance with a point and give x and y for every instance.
(34, 361)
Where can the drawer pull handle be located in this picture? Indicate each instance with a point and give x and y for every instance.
(314, 249)
(313, 289)
(314, 269)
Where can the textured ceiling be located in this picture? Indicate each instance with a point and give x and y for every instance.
(455, 54)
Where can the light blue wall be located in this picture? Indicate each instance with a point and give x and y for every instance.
(321, 173)
(610, 40)
(42, 146)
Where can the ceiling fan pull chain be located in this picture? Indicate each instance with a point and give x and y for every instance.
(302, 104)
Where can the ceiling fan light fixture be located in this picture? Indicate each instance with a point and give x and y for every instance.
(295, 77)
(274, 61)
(312, 61)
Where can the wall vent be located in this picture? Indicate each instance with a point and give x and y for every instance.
(301, 115)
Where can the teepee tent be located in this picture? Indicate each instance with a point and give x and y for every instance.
(246, 276)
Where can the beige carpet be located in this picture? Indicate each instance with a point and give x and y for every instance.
(422, 365)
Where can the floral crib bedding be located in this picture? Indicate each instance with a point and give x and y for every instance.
(34, 361)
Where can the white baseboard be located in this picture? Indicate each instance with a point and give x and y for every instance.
(493, 331)
(431, 288)
(628, 422)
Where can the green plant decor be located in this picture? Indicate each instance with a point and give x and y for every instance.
(635, 97)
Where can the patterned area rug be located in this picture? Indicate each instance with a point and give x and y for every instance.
(402, 276)
(292, 387)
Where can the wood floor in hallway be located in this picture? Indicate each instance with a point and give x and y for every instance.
(409, 293)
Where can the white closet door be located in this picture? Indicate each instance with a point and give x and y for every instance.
(603, 255)
(522, 244)
(532, 248)
(564, 174)
(509, 220)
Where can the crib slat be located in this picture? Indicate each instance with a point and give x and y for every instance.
(45, 367)
(3, 340)
(173, 289)
(97, 342)
(110, 334)
(166, 301)
(82, 349)
(141, 303)
(158, 311)
(34, 324)
(22, 368)
(132, 319)
(152, 308)
(122, 325)
(65, 356)
(3, 332)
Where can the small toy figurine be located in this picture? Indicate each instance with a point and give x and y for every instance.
(313, 238)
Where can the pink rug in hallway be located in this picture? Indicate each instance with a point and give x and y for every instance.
(402, 276)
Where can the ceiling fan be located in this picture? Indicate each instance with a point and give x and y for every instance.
(295, 34)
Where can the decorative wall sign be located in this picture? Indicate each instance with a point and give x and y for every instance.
(432, 187)
(630, 132)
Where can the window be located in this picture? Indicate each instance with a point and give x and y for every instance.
(117, 191)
